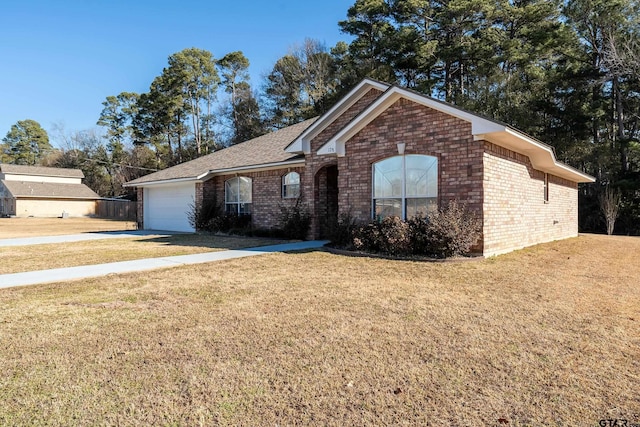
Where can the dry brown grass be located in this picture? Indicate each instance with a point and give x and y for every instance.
(545, 336)
(17, 259)
(31, 227)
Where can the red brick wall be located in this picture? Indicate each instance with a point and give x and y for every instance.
(140, 207)
(266, 196)
(315, 163)
(199, 193)
(424, 131)
(345, 118)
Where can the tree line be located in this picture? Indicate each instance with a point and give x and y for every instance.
(564, 71)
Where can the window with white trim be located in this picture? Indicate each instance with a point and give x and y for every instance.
(405, 186)
(291, 185)
(237, 195)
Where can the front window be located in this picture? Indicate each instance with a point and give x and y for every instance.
(237, 195)
(405, 186)
(291, 185)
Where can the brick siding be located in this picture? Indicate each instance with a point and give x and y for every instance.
(515, 212)
(266, 197)
(140, 208)
(314, 173)
(424, 131)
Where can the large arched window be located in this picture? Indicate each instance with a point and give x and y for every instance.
(405, 186)
(291, 185)
(237, 195)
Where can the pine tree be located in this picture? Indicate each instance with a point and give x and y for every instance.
(26, 143)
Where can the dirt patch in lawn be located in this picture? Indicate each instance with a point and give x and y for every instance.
(32, 227)
(549, 335)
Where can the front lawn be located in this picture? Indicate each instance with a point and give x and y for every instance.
(549, 335)
(33, 227)
(17, 259)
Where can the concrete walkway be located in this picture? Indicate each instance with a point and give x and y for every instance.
(87, 271)
(42, 240)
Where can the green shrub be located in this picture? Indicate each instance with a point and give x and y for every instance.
(295, 220)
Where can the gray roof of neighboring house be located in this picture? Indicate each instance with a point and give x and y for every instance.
(263, 150)
(40, 171)
(49, 190)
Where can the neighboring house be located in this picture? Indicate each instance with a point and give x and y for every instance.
(44, 192)
(381, 150)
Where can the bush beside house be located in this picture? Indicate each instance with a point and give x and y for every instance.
(452, 231)
(294, 221)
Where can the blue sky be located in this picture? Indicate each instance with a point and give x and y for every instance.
(60, 59)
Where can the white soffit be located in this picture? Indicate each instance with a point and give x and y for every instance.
(302, 144)
(541, 155)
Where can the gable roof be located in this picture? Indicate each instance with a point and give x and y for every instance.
(49, 190)
(542, 156)
(263, 151)
(40, 171)
(302, 144)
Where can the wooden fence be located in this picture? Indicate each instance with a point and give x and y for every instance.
(116, 209)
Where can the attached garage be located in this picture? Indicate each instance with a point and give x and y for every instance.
(166, 207)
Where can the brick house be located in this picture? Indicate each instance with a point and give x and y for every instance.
(381, 150)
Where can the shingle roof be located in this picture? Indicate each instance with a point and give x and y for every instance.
(49, 190)
(263, 150)
(40, 171)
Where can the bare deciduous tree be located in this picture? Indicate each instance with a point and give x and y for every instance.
(609, 201)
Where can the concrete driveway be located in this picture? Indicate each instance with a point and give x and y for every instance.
(97, 270)
(41, 240)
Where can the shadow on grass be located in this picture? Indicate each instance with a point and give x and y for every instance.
(220, 242)
(412, 258)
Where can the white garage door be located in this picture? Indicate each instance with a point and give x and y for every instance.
(166, 207)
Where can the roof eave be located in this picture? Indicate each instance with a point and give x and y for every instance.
(159, 182)
(45, 175)
(254, 168)
(35, 196)
(541, 155)
(213, 172)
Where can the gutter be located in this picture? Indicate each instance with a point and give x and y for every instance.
(164, 181)
(255, 168)
(213, 172)
(56, 197)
